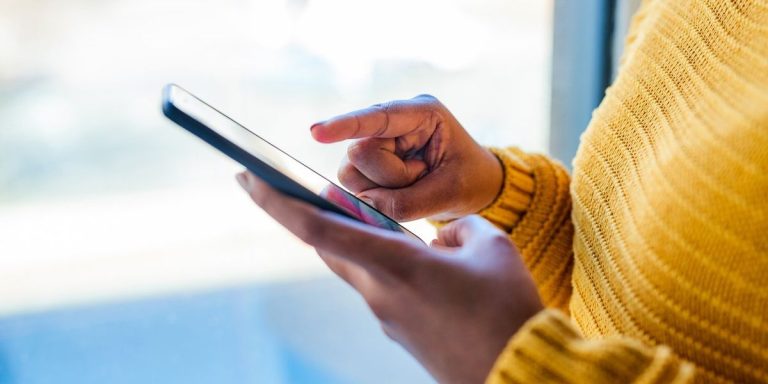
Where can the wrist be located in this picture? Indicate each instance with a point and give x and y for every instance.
(482, 185)
(490, 183)
(486, 185)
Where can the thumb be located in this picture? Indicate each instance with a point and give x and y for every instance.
(468, 230)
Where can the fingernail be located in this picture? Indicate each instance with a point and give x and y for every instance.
(242, 179)
(367, 200)
(312, 127)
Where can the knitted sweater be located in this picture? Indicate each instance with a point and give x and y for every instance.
(653, 257)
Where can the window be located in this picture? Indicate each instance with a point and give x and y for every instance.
(127, 251)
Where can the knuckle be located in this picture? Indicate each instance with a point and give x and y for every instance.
(463, 222)
(385, 108)
(346, 175)
(386, 105)
(427, 97)
(500, 240)
(389, 331)
(358, 151)
(379, 309)
(430, 101)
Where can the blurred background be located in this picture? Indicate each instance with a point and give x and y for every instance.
(128, 253)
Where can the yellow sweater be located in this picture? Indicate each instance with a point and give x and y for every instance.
(653, 257)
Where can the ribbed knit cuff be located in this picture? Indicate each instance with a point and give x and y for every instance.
(517, 190)
(549, 349)
(537, 345)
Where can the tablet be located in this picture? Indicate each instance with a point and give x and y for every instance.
(266, 161)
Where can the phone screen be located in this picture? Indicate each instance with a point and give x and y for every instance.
(274, 157)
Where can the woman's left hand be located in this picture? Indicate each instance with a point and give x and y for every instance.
(452, 305)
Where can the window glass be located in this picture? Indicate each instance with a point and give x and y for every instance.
(128, 250)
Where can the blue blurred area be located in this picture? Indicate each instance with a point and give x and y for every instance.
(314, 331)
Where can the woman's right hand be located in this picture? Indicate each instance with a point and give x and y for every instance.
(412, 159)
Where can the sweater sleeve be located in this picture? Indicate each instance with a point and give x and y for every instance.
(534, 207)
(549, 349)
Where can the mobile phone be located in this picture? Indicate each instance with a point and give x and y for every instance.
(268, 162)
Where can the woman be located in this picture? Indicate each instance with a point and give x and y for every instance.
(649, 264)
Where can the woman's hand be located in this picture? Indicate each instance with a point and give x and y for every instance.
(453, 305)
(413, 159)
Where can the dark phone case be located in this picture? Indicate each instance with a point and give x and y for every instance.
(271, 176)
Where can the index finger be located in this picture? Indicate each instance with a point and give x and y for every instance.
(391, 119)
